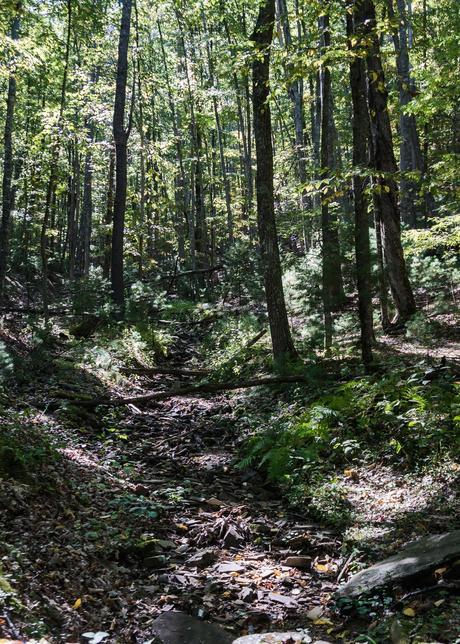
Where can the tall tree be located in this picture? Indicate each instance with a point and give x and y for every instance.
(361, 132)
(55, 152)
(120, 137)
(384, 163)
(282, 343)
(7, 192)
(332, 281)
(295, 90)
(411, 155)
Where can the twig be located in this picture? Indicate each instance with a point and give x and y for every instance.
(345, 567)
(11, 626)
(427, 589)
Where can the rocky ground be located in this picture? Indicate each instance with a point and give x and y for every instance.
(144, 511)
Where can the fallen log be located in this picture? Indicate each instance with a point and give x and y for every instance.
(203, 388)
(196, 271)
(167, 371)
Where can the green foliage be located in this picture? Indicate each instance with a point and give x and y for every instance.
(91, 294)
(241, 260)
(23, 451)
(6, 364)
(442, 238)
(407, 418)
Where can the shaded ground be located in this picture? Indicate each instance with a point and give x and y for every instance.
(112, 532)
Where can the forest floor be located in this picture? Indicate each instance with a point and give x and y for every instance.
(144, 510)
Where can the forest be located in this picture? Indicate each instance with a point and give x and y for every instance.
(229, 321)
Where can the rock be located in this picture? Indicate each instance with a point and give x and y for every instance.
(289, 602)
(202, 558)
(179, 628)
(417, 557)
(315, 613)
(232, 538)
(293, 637)
(247, 595)
(298, 562)
(230, 567)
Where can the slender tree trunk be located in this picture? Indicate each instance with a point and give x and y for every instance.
(333, 291)
(108, 220)
(120, 137)
(180, 181)
(7, 191)
(282, 343)
(215, 87)
(385, 165)
(200, 232)
(87, 208)
(73, 205)
(411, 155)
(142, 196)
(361, 133)
(295, 91)
(55, 149)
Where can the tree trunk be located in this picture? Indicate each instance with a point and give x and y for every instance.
(180, 182)
(282, 343)
(87, 209)
(411, 156)
(214, 82)
(361, 133)
(385, 165)
(333, 291)
(120, 137)
(55, 149)
(7, 192)
(108, 220)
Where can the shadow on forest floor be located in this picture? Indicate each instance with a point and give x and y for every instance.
(142, 511)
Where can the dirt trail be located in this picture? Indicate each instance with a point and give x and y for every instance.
(151, 514)
(147, 512)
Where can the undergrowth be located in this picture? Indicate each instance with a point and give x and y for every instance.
(408, 419)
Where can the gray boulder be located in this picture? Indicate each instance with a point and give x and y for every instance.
(417, 557)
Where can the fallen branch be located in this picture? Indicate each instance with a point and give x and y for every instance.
(168, 371)
(254, 340)
(196, 271)
(204, 388)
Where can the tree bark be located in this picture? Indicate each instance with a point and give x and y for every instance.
(295, 91)
(190, 390)
(385, 165)
(282, 343)
(120, 137)
(361, 131)
(55, 149)
(411, 155)
(108, 219)
(332, 282)
(7, 191)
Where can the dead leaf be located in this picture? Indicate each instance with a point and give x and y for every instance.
(77, 603)
(409, 612)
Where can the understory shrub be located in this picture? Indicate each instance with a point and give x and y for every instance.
(407, 418)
